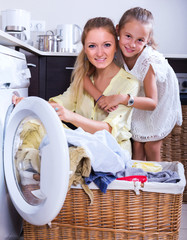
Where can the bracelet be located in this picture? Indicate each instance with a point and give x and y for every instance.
(99, 97)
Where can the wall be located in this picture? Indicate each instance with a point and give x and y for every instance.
(170, 16)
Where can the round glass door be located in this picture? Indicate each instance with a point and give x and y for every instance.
(27, 149)
(36, 161)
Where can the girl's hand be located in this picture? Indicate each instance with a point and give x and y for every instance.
(109, 103)
(16, 99)
(111, 109)
(63, 113)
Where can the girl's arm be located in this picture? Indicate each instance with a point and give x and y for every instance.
(149, 102)
(107, 103)
(110, 103)
(91, 89)
(77, 120)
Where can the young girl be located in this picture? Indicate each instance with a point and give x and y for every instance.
(159, 92)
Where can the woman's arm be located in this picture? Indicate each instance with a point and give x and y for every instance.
(77, 120)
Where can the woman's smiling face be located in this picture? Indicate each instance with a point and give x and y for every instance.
(100, 47)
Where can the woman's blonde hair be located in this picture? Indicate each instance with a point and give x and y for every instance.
(82, 65)
(142, 15)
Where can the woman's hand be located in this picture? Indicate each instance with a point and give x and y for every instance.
(77, 120)
(16, 99)
(63, 113)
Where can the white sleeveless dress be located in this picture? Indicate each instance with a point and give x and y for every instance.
(157, 124)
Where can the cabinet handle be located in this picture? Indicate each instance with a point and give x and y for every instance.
(31, 65)
(69, 68)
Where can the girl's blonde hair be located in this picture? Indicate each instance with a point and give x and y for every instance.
(142, 15)
(82, 64)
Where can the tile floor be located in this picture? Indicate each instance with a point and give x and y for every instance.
(183, 229)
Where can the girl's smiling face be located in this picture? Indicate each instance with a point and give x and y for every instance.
(100, 47)
(133, 38)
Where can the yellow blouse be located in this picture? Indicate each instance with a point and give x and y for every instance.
(120, 119)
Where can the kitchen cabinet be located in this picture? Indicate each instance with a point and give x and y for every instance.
(178, 64)
(58, 74)
(50, 75)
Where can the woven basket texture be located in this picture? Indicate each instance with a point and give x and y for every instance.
(174, 147)
(120, 214)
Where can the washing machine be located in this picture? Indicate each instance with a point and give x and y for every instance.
(38, 201)
(14, 79)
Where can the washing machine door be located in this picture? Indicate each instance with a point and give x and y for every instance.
(36, 161)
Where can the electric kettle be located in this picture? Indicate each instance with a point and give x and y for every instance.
(71, 35)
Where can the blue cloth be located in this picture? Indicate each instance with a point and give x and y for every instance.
(100, 179)
(105, 153)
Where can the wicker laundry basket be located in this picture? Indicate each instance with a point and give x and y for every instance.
(174, 146)
(119, 214)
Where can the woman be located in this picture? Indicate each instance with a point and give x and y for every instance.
(77, 107)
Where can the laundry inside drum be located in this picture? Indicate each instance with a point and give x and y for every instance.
(29, 139)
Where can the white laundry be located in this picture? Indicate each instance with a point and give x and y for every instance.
(105, 153)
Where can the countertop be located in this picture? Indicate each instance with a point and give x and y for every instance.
(10, 41)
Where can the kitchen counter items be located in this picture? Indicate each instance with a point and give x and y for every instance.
(49, 42)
